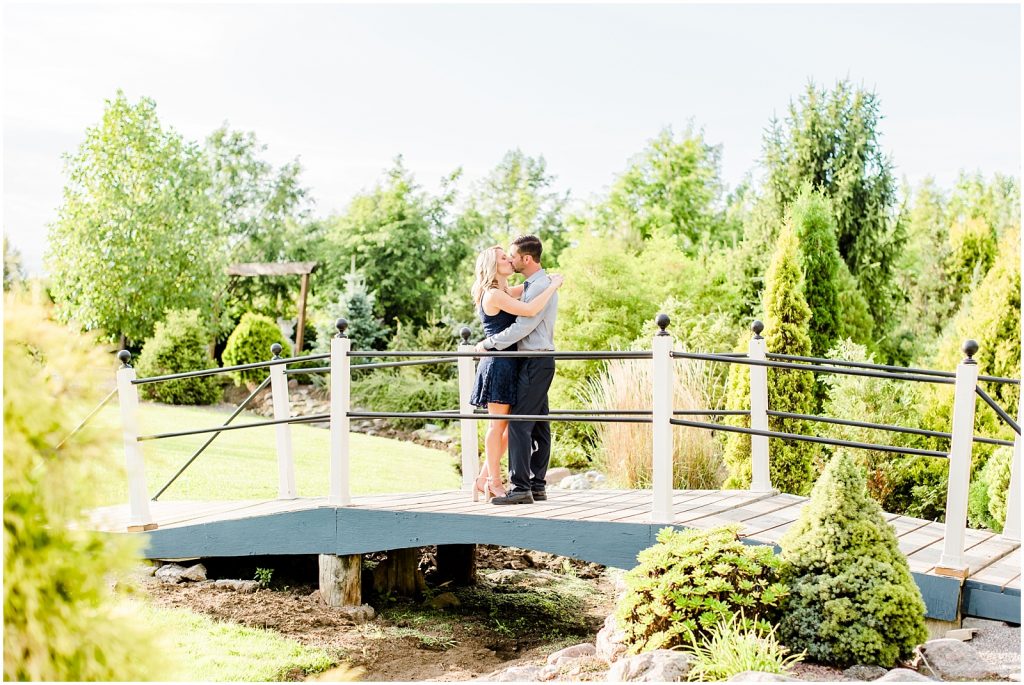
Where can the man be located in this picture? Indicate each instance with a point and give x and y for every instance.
(529, 442)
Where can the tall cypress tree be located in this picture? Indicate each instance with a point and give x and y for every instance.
(787, 331)
(811, 217)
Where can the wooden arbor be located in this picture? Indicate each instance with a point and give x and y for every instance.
(303, 269)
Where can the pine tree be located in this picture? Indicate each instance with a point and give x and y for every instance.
(853, 599)
(811, 217)
(787, 332)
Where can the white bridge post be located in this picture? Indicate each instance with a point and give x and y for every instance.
(282, 411)
(1011, 528)
(760, 473)
(662, 392)
(139, 516)
(470, 447)
(960, 444)
(341, 386)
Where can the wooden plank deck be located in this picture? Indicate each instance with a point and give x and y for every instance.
(602, 525)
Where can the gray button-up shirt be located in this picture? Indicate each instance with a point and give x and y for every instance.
(531, 332)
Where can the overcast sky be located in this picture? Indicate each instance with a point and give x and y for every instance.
(347, 87)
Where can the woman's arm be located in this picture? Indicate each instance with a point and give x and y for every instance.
(516, 291)
(503, 301)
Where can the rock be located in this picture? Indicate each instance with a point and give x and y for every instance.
(170, 573)
(595, 477)
(146, 570)
(194, 573)
(315, 597)
(443, 601)
(549, 672)
(761, 677)
(962, 634)
(864, 672)
(246, 587)
(610, 642)
(574, 652)
(903, 675)
(580, 482)
(657, 666)
(515, 674)
(357, 614)
(556, 475)
(293, 384)
(949, 659)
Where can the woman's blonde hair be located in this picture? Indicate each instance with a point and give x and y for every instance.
(486, 273)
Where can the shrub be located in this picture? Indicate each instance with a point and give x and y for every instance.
(179, 343)
(624, 449)
(819, 258)
(401, 392)
(732, 647)
(64, 618)
(986, 505)
(853, 599)
(250, 343)
(693, 579)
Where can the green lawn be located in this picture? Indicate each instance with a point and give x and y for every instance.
(203, 649)
(242, 464)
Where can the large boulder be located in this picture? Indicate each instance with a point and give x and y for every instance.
(762, 677)
(570, 653)
(556, 475)
(514, 674)
(864, 672)
(903, 675)
(656, 666)
(611, 641)
(950, 659)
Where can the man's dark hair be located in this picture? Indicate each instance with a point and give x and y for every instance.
(529, 244)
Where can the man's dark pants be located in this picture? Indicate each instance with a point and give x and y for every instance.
(535, 376)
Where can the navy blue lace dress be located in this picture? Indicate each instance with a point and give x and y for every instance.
(497, 378)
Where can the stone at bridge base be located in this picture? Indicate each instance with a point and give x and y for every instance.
(341, 579)
(456, 565)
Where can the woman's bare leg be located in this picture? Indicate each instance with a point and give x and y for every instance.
(495, 444)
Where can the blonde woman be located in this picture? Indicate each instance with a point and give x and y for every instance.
(497, 377)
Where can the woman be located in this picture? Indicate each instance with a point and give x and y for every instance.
(497, 377)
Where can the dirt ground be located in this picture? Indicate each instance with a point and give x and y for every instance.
(409, 641)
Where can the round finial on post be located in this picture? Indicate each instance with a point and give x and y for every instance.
(970, 348)
(125, 357)
(757, 327)
(275, 350)
(663, 321)
(465, 332)
(342, 326)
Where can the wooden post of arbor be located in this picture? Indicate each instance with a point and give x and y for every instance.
(303, 269)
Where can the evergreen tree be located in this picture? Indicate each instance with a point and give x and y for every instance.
(811, 217)
(356, 304)
(737, 445)
(853, 599)
(831, 140)
(787, 319)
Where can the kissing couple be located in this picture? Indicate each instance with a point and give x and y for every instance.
(519, 318)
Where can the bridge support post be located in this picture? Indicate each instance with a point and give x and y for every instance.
(951, 562)
(1011, 528)
(662, 390)
(341, 384)
(282, 411)
(760, 472)
(341, 579)
(470, 446)
(140, 518)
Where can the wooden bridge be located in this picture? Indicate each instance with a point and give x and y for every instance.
(604, 526)
(961, 572)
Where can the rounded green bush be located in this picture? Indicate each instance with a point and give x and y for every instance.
(250, 343)
(691, 581)
(853, 599)
(180, 343)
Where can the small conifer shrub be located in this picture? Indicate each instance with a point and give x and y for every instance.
(179, 344)
(852, 597)
(692, 580)
(250, 343)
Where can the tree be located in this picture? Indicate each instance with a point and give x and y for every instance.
(137, 232)
(831, 140)
(517, 198)
(819, 256)
(14, 272)
(356, 304)
(263, 218)
(671, 189)
(64, 616)
(852, 598)
(404, 241)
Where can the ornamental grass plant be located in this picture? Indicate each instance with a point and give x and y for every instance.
(624, 449)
